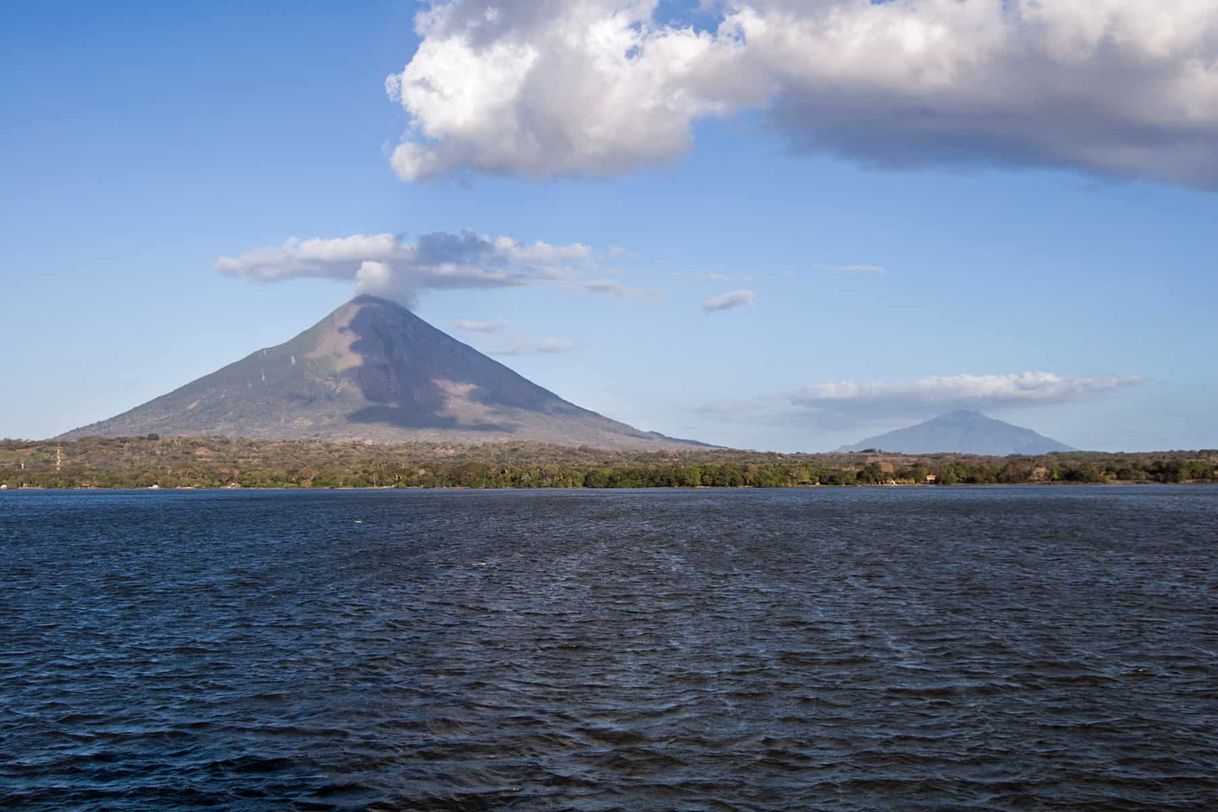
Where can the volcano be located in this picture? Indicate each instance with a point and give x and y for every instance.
(374, 371)
(963, 432)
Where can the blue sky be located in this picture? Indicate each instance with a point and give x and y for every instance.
(144, 141)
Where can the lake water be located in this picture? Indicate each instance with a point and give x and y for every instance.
(997, 648)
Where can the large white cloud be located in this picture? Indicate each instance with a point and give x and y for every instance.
(392, 266)
(601, 87)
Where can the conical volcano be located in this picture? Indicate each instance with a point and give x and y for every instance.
(962, 432)
(372, 370)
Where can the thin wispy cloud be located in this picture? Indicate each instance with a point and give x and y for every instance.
(713, 277)
(470, 326)
(611, 287)
(1014, 389)
(728, 301)
(846, 404)
(1121, 87)
(526, 346)
(855, 270)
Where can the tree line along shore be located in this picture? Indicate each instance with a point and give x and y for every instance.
(220, 462)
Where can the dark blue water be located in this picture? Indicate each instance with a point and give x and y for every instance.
(831, 649)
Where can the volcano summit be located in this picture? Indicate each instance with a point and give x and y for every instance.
(372, 370)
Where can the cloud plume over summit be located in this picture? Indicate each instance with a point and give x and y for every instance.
(393, 267)
(602, 87)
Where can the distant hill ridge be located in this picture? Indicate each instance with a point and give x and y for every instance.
(372, 370)
(963, 432)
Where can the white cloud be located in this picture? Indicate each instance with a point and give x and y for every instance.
(838, 405)
(543, 253)
(926, 396)
(526, 346)
(391, 266)
(855, 270)
(1018, 387)
(479, 326)
(543, 87)
(610, 287)
(712, 276)
(737, 298)
(602, 87)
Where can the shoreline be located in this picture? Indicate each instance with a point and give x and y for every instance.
(172, 463)
(817, 487)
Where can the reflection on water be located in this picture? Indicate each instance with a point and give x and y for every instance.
(837, 649)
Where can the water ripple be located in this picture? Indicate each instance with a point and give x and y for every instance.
(854, 650)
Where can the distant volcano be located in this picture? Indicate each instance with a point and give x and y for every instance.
(963, 432)
(372, 370)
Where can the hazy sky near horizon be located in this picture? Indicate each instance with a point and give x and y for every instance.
(780, 225)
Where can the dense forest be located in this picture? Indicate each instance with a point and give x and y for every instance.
(219, 462)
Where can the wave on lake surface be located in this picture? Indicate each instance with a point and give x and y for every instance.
(835, 649)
